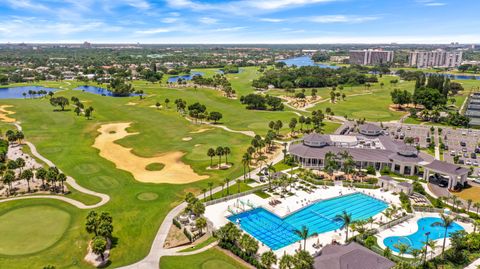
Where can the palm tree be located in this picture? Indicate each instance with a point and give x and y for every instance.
(8, 178)
(469, 204)
(158, 105)
(201, 223)
(238, 181)
(330, 163)
(27, 175)
(402, 248)
(477, 206)
(346, 219)
(268, 259)
(270, 168)
(445, 223)
(303, 234)
(41, 174)
(246, 158)
(454, 200)
(211, 154)
(226, 180)
(210, 186)
(432, 245)
(61, 177)
(415, 253)
(286, 262)
(226, 151)
(204, 194)
(219, 152)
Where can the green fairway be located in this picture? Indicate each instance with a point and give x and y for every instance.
(31, 229)
(210, 259)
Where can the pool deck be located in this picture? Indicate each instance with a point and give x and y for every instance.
(410, 226)
(218, 213)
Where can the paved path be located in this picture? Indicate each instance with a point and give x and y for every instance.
(474, 265)
(71, 181)
(248, 133)
(152, 260)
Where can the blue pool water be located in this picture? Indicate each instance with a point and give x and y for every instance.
(417, 239)
(184, 77)
(98, 90)
(319, 217)
(17, 92)
(306, 61)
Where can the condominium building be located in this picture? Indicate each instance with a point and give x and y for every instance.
(436, 58)
(370, 57)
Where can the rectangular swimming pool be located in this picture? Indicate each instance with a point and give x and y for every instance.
(319, 217)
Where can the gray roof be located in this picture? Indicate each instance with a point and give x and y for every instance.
(351, 256)
(370, 127)
(405, 184)
(386, 178)
(446, 168)
(315, 137)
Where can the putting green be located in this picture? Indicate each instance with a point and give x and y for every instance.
(31, 229)
(155, 166)
(147, 196)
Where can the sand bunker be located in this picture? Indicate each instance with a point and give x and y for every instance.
(4, 114)
(200, 130)
(174, 172)
(186, 139)
(131, 104)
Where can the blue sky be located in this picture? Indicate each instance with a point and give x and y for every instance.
(240, 21)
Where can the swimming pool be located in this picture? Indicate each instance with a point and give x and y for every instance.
(417, 239)
(319, 217)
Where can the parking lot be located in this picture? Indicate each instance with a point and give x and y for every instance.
(463, 143)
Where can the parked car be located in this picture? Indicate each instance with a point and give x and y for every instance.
(477, 150)
(477, 180)
(475, 163)
(464, 149)
(461, 161)
(465, 155)
(473, 155)
(468, 162)
(452, 153)
(463, 144)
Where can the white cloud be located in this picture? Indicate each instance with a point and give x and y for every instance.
(431, 3)
(272, 20)
(169, 20)
(341, 19)
(208, 20)
(154, 31)
(229, 29)
(26, 4)
(245, 7)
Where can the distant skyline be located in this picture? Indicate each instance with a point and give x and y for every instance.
(239, 22)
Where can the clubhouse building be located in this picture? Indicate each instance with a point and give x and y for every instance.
(368, 146)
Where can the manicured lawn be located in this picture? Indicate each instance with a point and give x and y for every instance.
(470, 193)
(210, 259)
(31, 229)
(200, 245)
(280, 166)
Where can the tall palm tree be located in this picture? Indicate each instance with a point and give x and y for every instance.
(268, 259)
(347, 220)
(210, 186)
(402, 248)
(286, 262)
(204, 194)
(238, 181)
(227, 181)
(330, 164)
(246, 158)
(27, 175)
(303, 234)
(477, 206)
(454, 200)
(219, 152)
(211, 154)
(445, 223)
(226, 151)
(61, 177)
(271, 169)
(469, 204)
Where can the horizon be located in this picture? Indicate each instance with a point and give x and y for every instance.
(238, 22)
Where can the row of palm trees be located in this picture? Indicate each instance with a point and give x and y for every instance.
(51, 175)
(220, 152)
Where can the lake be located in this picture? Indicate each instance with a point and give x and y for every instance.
(99, 91)
(305, 61)
(184, 77)
(455, 76)
(17, 92)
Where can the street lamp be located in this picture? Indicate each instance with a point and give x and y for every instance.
(426, 249)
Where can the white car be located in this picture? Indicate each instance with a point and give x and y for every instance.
(477, 180)
(468, 162)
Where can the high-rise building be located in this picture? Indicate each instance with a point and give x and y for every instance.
(370, 57)
(436, 58)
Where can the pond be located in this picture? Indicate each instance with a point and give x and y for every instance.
(99, 91)
(184, 77)
(455, 76)
(17, 92)
(305, 61)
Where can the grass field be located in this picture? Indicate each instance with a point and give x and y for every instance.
(210, 259)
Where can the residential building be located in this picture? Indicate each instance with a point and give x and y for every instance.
(370, 57)
(436, 58)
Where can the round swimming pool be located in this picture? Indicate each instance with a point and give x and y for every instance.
(417, 239)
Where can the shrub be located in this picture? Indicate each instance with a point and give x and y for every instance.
(371, 170)
(177, 224)
(188, 234)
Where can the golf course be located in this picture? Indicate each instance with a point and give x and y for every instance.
(145, 157)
